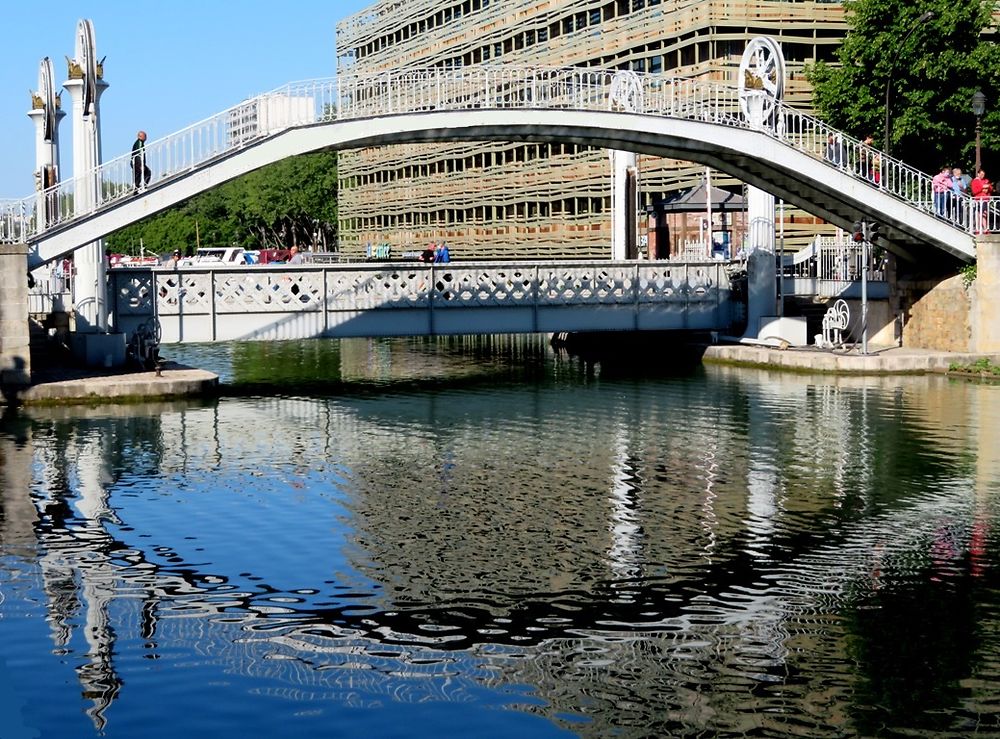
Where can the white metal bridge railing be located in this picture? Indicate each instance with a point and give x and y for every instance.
(355, 96)
(219, 303)
(837, 260)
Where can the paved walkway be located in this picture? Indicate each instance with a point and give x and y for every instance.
(879, 360)
(66, 385)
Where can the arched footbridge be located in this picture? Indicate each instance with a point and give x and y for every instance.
(667, 116)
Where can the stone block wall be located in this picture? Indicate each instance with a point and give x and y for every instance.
(937, 315)
(951, 315)
(986, 293)
(15, 343)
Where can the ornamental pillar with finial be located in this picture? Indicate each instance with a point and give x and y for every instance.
(85, 86)
(46, 112)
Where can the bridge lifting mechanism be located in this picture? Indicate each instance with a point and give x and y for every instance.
(144, 347)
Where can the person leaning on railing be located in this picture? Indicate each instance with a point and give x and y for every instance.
(941, 186)
(982, 191)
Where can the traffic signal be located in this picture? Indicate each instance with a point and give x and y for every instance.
(858, 234)
(873, 233)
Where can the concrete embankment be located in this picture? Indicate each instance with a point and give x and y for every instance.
(665, 350)
(879, 361)
(70, 385)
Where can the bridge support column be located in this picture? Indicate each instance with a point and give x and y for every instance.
(15, 350)
(985, 307)
(762, 283)
(624, 203)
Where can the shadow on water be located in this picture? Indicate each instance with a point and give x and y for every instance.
(915, 644)
(375, 366)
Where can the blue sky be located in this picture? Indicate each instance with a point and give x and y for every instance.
(169, 64)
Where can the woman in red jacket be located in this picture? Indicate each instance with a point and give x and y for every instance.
(982, 192)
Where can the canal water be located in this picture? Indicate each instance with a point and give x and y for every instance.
(484, 538)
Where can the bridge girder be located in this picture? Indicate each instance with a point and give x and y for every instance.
(758, 158)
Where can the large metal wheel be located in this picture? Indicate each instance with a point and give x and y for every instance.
(762, 71)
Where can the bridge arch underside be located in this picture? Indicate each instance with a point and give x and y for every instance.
(801, 179)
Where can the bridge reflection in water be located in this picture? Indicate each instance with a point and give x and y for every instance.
(727, 551)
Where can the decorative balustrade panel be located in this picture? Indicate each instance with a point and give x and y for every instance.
(598, 284)
(132, 292)
(380, 287)
(495, 285)
(686, 283)
(244, 292)
(193, 292)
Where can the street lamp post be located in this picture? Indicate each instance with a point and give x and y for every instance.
(892, 68)
(978, 108)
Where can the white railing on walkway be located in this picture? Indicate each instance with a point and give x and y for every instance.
(354, 96)
(836, 264)
(53, 289)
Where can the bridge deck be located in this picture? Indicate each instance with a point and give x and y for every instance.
(670, 116)
(394, 299)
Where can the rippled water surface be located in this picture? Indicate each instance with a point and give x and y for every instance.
(484, 539)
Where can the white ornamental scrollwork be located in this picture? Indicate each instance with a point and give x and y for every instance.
(626, 92)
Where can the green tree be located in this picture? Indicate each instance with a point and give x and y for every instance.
(293, 201)
(930, 67)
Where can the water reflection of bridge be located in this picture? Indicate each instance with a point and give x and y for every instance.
(432, 525)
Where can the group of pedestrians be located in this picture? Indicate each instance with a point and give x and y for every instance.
(950, 189)
(867, 164)
(435, 253)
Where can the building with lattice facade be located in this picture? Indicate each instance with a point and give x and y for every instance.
(492, 200)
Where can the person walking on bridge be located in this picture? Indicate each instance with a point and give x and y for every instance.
(140, 172)
(836, 151)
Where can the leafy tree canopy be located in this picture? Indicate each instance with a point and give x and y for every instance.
(293, 201)
(931, 67)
